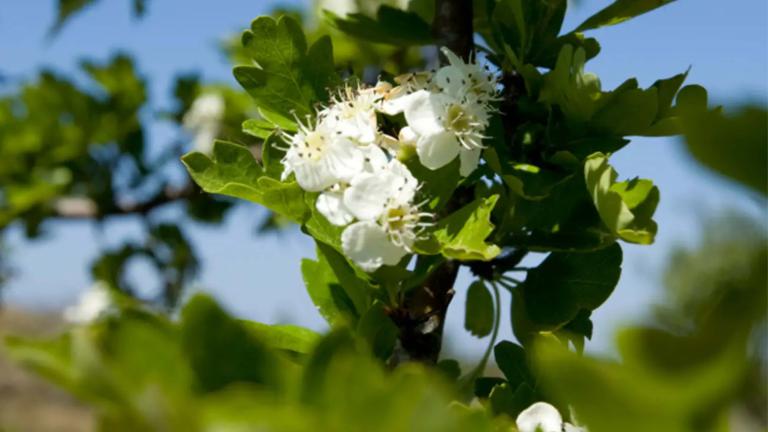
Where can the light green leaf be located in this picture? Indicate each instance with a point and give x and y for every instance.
(233, 171)
(478, 317)
(565, 283)
(326, 292)
(284, 336)
(462, 234)
(620, 11)
(626, 207)
(569, 87)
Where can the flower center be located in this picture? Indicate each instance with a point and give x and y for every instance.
(458, 119)
(314, 146)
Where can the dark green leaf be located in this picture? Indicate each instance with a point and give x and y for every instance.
(731, 145)
(222, 350)
(512, 361)
(620, 11)
(478, 317)
(391, 26)
(565, 283)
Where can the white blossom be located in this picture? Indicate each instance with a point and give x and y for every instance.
(91, 304)
(543, 417)
(203, 120)
(320, 158)
(352, 114)
(447, 126)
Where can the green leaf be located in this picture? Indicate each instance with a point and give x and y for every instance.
(733, 145)
(378, 330)
(478, 317)
(325, 291)
(628, 111)
(611, 395)
(569, 87)
(505, 400)
(223, 350)
(531, 182)
(626, 207)
(391, 26)
(512, 361)
(286, 79)
(355, 284)
(565, 283)
(233, 171)
(620, 11)
(462, 234)
(284, 336)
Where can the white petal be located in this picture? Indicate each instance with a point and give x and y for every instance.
(314, 176)
(452, 80)
(368, 194)
(453, 59)
(375, 158)
(403, 184)
(541, 417)
(407, 136)
(330, 205)
(469, 160)
(367, 244)
(425, 111)
(396, 100)
(436, 151)
(344, 159)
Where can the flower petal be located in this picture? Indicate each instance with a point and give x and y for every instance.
(331, 205)
(367, 244)
(368, 194)
(469, 160)
(343, 159)
(375, 158)
(436, 151)
(540, 416)
(314, 176)
(425, 112)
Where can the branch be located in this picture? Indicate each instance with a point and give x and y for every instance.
(421, 317)
(85, 208)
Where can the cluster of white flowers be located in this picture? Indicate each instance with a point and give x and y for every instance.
(345, 156)
(543, 417)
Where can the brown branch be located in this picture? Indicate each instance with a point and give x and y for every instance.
(421, 317)
(75, 208)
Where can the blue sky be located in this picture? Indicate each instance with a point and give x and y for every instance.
(725, 43)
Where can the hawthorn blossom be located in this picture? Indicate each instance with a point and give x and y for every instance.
(203, 119)
(319, 157)
(543, 417)
(352, 114)
(92, 304)
(447, 127)
(389, 223)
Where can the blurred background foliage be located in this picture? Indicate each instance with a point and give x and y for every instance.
(75, 148)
